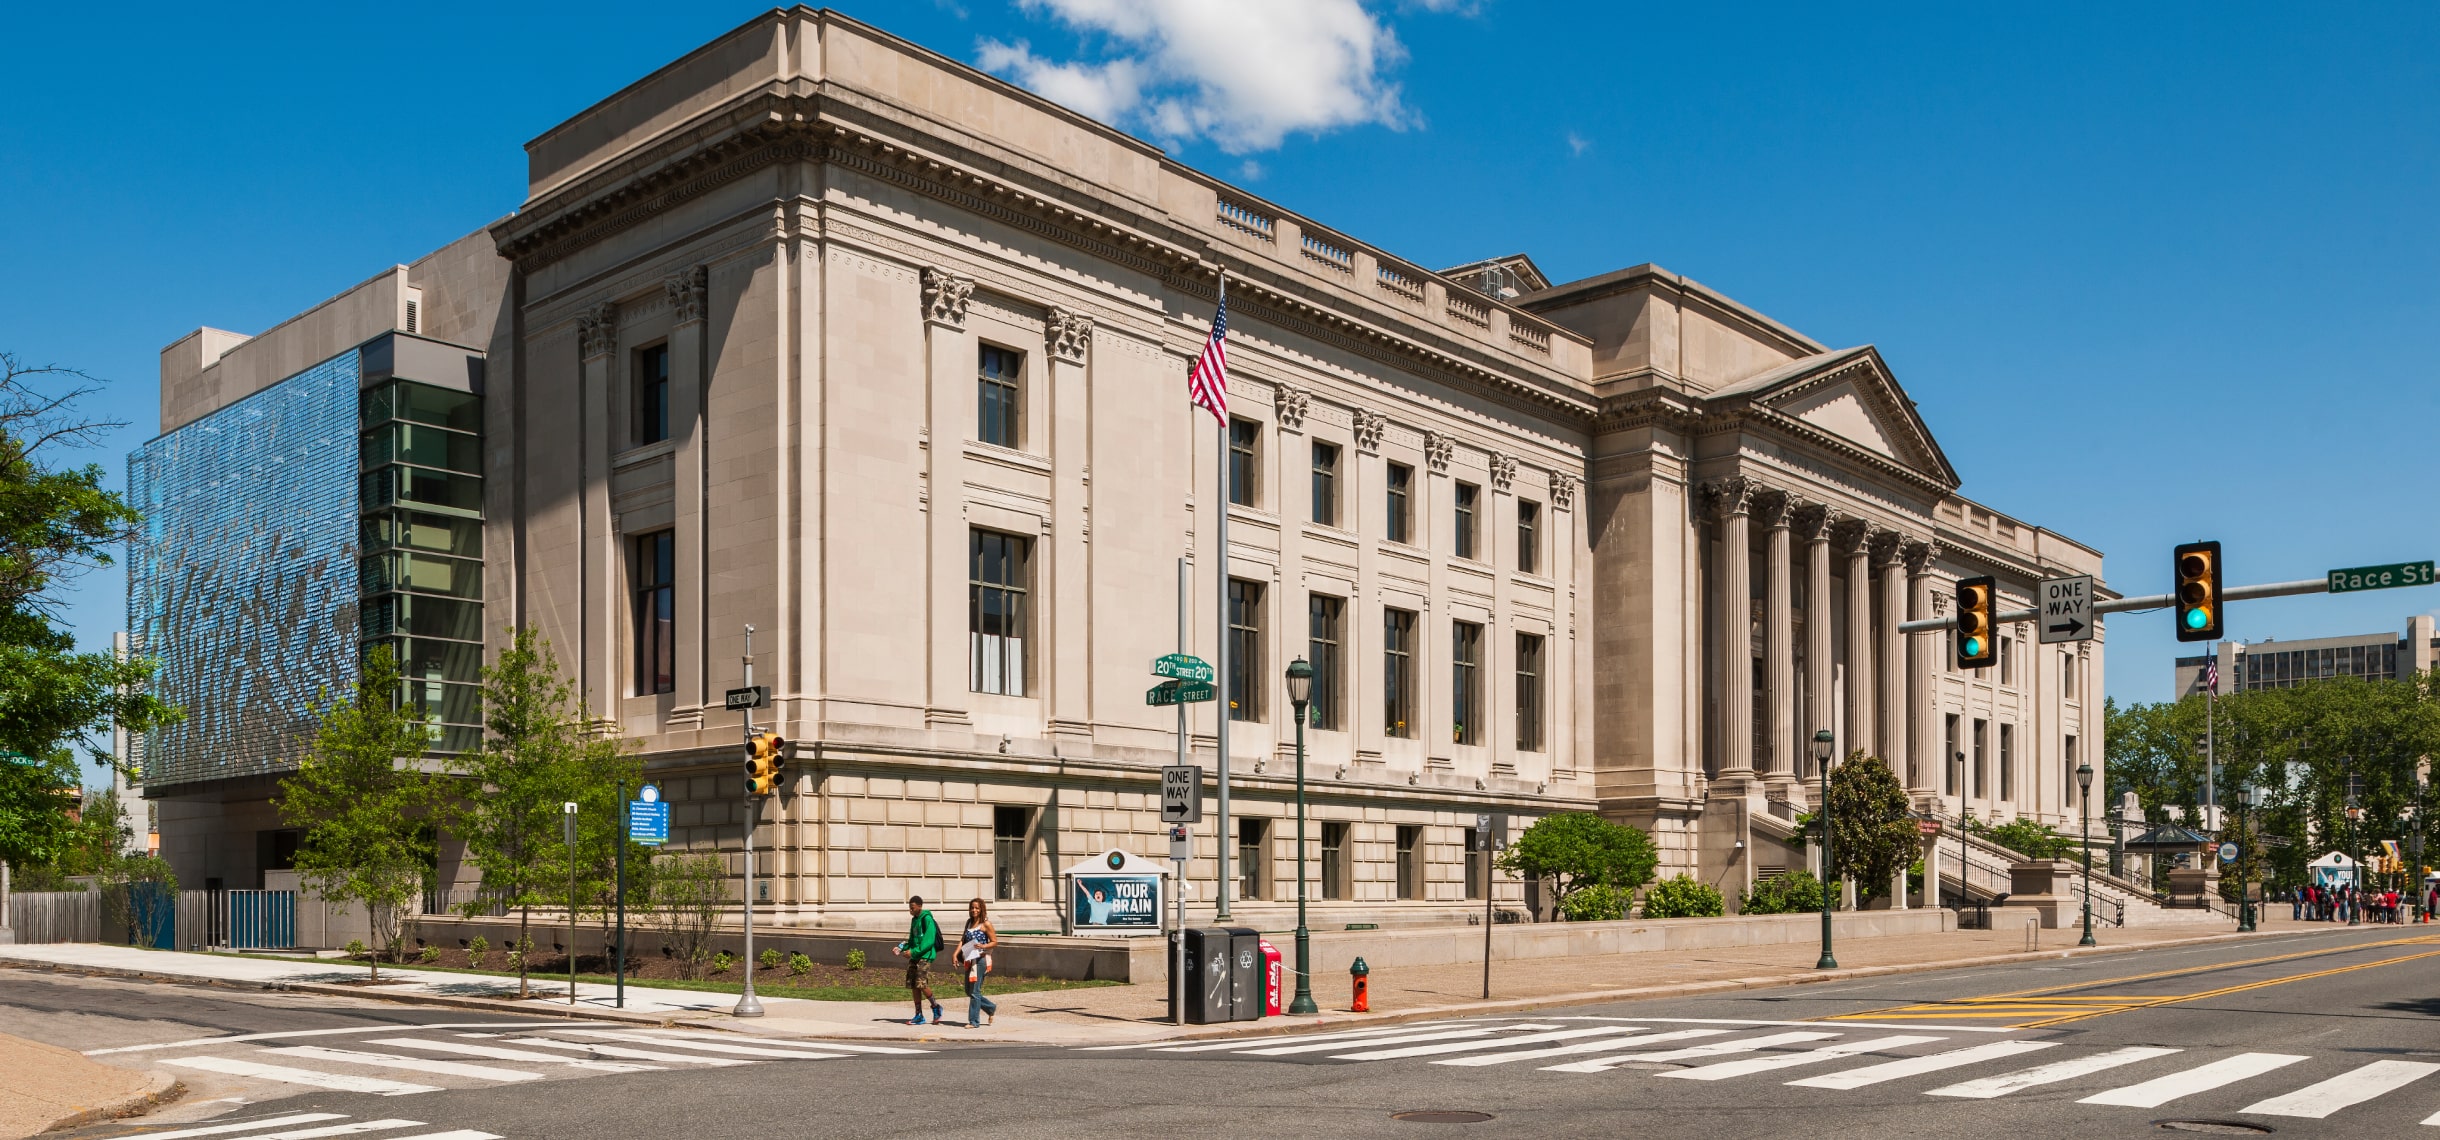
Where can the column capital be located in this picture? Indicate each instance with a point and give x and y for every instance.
(1920, 556)
(1850, 534)
(1288, 403)
(1728, 497)
(686, 289)
(1503, 471)
(945, 295)
(1772, 508)
(1562, 491)
(1887, 546)
(1438, 448)
(1069, 332)
(597, 330)
(1369, 426)
(1811, 521)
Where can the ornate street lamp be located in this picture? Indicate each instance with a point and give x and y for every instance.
(1300, 691)
(1821, 755)
(1961, 840)
(2084, 784)
(2248, 797)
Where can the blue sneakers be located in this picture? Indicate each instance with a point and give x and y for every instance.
(918, 1019)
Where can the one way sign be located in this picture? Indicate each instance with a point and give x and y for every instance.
(2067, 609)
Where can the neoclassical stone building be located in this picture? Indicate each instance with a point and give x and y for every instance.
(820, 332)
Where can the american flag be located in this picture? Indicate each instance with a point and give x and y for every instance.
(1207, 380)
(2211, 675)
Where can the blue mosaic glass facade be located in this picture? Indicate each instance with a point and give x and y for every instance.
(243, 576)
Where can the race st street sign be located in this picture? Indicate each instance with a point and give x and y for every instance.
(2066, 612)
(2387, 577)
(1180, 693)
(1181, 793)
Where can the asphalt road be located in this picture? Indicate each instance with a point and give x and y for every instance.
(2311, 1035)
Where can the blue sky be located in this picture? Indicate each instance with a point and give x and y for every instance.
(2153, 273)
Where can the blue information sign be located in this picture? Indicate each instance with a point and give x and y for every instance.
(648, 817)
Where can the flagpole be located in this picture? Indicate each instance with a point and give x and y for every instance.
(1220, 656)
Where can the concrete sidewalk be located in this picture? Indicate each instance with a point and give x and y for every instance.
(1127, 1014)
(49, 1087)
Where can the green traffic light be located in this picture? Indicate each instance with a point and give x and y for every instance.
(2197, 618)
(1974, 647)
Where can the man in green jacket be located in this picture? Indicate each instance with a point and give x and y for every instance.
(920, 948)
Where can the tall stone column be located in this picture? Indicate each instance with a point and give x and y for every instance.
(597, 657)
(1888, 553)
(1814, 524)
(1923, 738)
(949, 358)
(1854, 539)
(686, 291)
(1779, 634)
(1069, 336)
(1731, 500)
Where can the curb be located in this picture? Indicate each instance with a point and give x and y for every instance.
(164, 1089)
(486, 1005)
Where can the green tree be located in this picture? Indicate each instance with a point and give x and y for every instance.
(689, 894)
(55, 522)
(364, 806)
(538, 753)
(1871, 824)
(1576, 850)
(1682, 897)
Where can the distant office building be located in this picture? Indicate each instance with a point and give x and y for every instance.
(2285, 664)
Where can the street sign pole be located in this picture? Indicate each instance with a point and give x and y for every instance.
(1177, 931)
(618, 892)
(567, 819)
(747, 1004)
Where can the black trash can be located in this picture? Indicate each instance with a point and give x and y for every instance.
(1209, 975)
(1247, 968)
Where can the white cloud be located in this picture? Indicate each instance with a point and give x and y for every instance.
(1578, 144)
(1250, 170)
(1244, 74)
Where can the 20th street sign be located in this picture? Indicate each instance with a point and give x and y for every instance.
(1184, 667)
(2380, 577)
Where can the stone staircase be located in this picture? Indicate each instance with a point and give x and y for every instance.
(2116, 901)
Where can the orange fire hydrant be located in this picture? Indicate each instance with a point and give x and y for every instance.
(1361, 973)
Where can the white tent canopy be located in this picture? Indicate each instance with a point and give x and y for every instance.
(2333, 869)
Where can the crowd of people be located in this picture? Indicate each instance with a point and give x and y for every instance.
(2345, 902)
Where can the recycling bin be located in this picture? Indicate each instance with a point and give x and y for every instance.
(1246, 970)
(1210, 975)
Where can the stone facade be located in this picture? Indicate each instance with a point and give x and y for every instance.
(831, 243)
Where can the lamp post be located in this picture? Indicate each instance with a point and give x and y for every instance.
(2355, 827)
(2247, 797)
(1300, 691)
(1961, 839)
(1821, 756)
(2084, 785)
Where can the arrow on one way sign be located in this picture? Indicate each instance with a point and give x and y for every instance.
(2067, 604)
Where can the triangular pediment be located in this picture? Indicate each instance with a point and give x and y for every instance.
(1850, 396)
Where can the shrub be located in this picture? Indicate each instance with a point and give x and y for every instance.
(1790, 892)
(855, 959)
(1595, 904)
(689, 897)
(799, 965)
(722, 961)
(355, 948)
(476, 949)
(1576, 850)
(1682, 897)
(516, 956)
(769, 958)
(2027, 838)
(428, 955)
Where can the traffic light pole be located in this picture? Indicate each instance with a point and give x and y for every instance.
(747, 1004)
(2144, 602)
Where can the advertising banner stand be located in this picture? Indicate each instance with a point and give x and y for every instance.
(1115, 892)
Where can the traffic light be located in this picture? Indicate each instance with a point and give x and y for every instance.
(2198, 591)
(1977, 648)
(766, 763)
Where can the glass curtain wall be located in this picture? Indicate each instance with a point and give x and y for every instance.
(421, 570)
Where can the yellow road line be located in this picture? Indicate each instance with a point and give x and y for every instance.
(2223, 992)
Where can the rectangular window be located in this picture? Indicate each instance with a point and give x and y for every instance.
(1250, 857)
(1326, 483)
(2007, 661)
(1474, 864)
(1465, 682)
(998, 397)
(1244, 450)
(652, 394)
(1401, 488)
(2067, 753)
(1326, 624)
(1951, 760)
(1468, 497)
(1529, 692)
(1529, 537)
(1982, 770)
(2067, 675)
(1245, 670)
(655, 574)
(1398, 672)
(1410, 862)
(1334, 860)
(1009, 826)
(999, 575)
(2007, 762)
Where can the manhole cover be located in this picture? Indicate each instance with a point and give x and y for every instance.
(1441, 1116)
(2216, 1127)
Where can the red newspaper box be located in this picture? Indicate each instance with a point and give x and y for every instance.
(1274, 975)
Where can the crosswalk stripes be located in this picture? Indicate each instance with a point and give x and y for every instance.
(623, 1051)
(312, 1126)
(495, 1052)
(722, 1048)
(1437, 1035)
(1829, 1052)
(1441, 1047)
(1715, 1049)
(315, 1078)
(2202, 1078)
(1602, 1046)
(2051, 1073)
(406, 1064)
(2313, 1102)
(1918, 1066)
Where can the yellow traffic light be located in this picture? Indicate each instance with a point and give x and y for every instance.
(2198, 591)
(1977, 647)
(766, 763)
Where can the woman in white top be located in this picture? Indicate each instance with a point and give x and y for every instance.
(974, 956)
